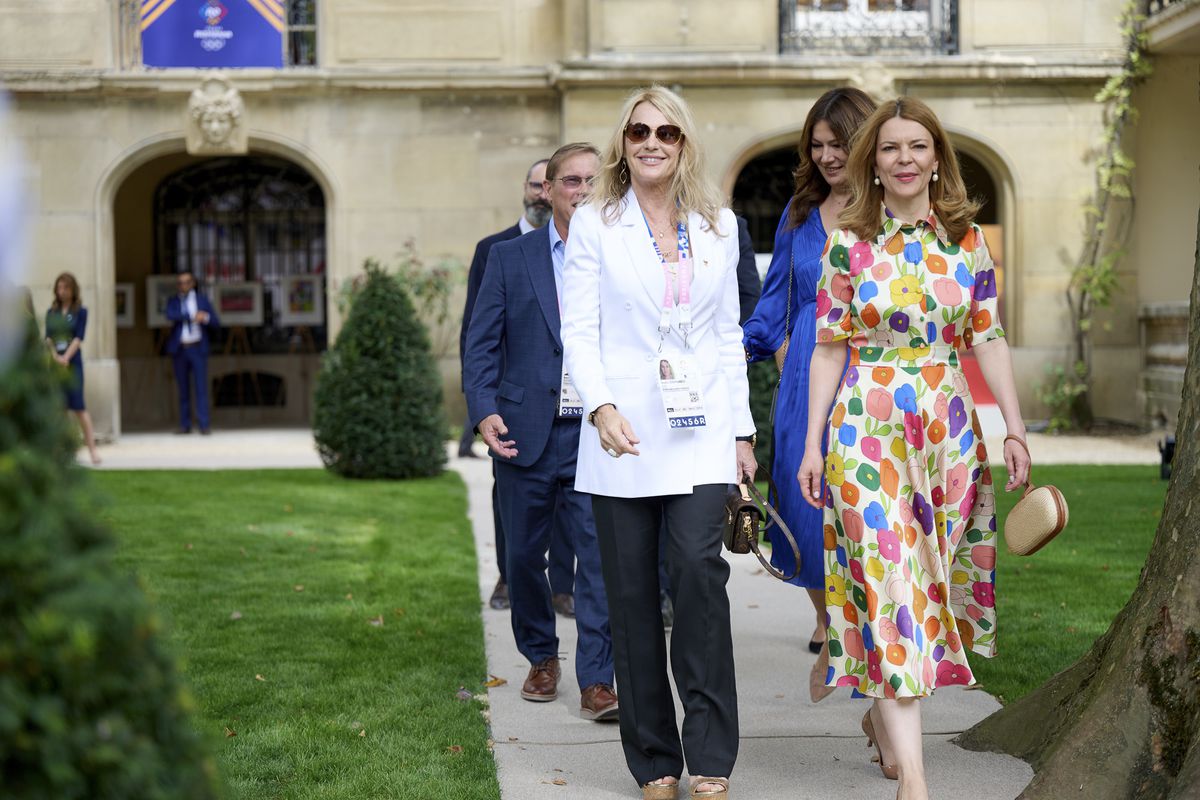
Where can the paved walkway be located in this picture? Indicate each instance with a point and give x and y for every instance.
(790, 748)
(260, 448)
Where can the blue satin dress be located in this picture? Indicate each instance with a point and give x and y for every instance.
(764, 334)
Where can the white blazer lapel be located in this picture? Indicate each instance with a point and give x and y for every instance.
(643, 258)
(707, 255)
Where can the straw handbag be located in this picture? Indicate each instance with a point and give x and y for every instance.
(1039, 516)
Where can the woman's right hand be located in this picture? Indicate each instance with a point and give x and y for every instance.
(616, 434)
(812, 468)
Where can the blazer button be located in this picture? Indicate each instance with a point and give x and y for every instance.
(553, 391)
(557, 352)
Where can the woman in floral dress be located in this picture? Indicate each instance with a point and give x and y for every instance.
(910, 525)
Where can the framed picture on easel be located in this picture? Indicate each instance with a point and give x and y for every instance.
(303, 300)
(159, 289)
(124, 304)
(238, 303)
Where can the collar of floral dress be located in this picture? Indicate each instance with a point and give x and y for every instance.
(890, 226)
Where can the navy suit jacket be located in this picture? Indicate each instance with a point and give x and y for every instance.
(514, 354)
(176, 314)
(475, 280)
(749, 284)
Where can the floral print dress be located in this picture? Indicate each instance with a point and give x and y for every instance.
(910, 512)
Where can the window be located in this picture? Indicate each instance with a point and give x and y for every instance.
(862, 27)
(302, 33)
(231, 220)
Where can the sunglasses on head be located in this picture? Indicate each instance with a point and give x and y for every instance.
(638, 132)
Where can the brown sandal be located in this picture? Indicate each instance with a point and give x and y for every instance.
(720, 794)
(890, 771)
(660, 791)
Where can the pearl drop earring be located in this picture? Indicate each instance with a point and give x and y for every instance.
(876, 180)
(935, 176)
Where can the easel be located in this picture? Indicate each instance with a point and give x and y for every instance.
(237, 342)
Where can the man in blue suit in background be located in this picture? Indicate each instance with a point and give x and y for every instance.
(562, 559)
(193, 318)
(524, 407)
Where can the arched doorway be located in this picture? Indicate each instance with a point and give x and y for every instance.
(761, 192)
(252, 230)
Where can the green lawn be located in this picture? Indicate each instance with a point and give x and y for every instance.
(327, 623)
(1054, 604)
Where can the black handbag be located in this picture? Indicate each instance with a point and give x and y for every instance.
(748, 516)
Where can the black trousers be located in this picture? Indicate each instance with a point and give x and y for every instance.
(701, 641)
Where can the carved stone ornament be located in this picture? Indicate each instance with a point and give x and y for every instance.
(216, 119)
(874, 79)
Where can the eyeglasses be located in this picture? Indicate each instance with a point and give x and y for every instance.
(575, 181)
(638, 132)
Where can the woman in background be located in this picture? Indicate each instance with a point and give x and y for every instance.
(66, 321)
(786, 315)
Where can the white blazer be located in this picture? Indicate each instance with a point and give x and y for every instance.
(613, 287)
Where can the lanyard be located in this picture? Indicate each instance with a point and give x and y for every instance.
(685, 285)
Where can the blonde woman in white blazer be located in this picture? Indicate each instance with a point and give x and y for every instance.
(664, 442)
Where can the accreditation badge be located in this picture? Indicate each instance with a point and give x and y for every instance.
(679, 385)
(570, 404)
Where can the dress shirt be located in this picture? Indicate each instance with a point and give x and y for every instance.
(558, 252)
(191, 332)
(525, 225)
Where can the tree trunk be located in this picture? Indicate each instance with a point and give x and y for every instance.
(1124, 721)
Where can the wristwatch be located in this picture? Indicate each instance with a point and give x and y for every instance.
(752, 439)
(592, 416)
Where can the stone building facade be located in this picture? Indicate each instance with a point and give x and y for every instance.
(413, 120)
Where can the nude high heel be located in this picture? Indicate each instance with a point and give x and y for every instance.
(890, 771)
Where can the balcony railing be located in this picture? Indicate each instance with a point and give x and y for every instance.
(868, 27)
(1156, 6)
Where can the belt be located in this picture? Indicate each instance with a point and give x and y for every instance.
(189, 344)
(904, 356)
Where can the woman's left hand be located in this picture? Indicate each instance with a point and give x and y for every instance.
(1016, 459)
(747, 466)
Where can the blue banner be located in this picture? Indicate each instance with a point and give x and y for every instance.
(212, 33)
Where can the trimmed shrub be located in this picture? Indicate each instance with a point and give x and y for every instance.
(379, 395)
(90, 702)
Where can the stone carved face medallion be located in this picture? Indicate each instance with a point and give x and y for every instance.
(215, 124)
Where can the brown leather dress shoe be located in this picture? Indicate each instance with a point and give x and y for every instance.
(541, 685)
(499, 600)
(598, 703)
(564, 605)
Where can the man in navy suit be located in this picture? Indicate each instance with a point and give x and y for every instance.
(523, 405)
(193, 318)
(562, 559)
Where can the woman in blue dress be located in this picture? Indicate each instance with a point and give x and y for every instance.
(786, 315)
(66, 322)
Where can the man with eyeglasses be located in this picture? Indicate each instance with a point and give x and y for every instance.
(562, 560)
(192, 320)
(527, 411)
